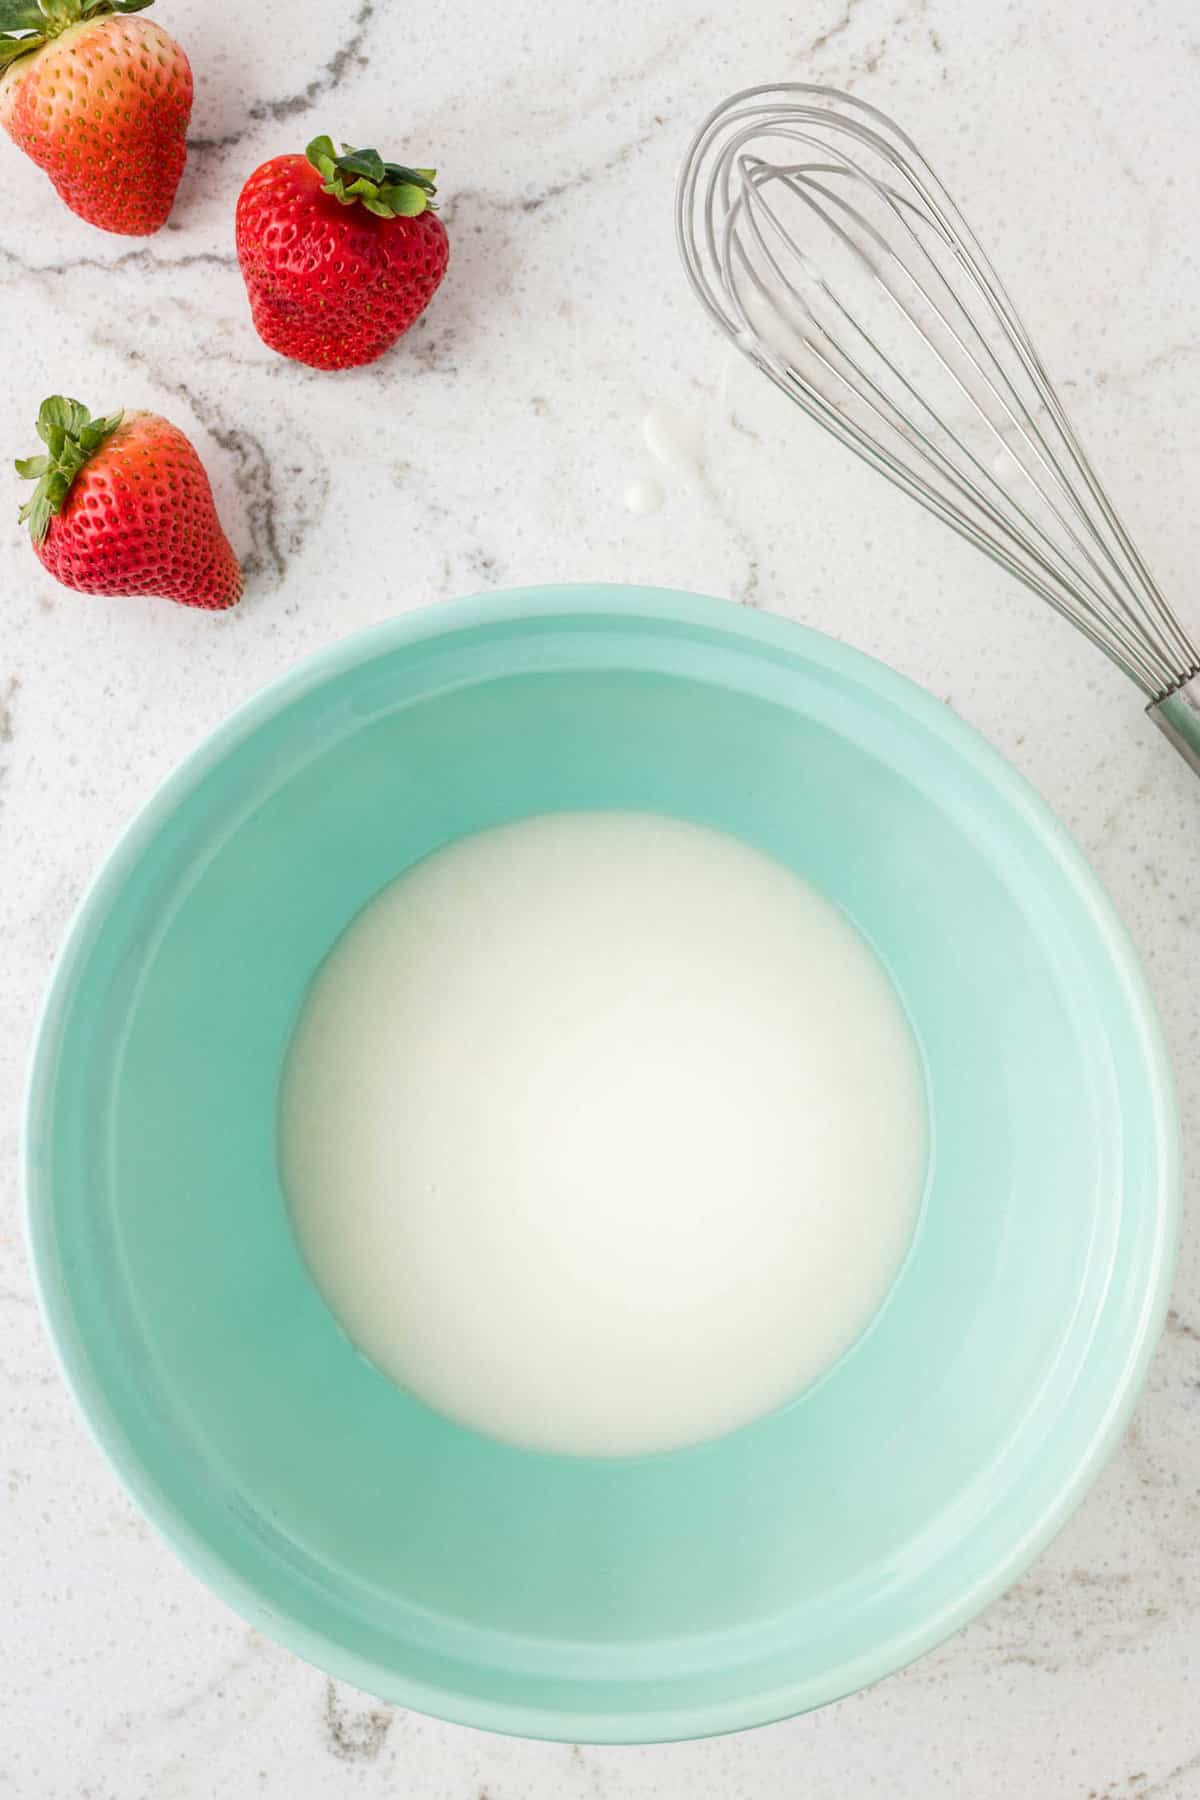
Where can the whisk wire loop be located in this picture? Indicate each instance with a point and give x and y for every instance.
(820, 240)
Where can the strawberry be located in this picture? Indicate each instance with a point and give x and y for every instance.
(101, 103)
(123, 506)
(339, 253)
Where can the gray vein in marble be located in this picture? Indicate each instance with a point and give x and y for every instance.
(126, 1524)
(1149, 1476)
(1114, 146)
(747, 592)
(330, 76)
(425, 351)
(532, 203)
(138, 262)
(1165, 1788)
(8, 695)
(472, 560)
(841, 25)
(206, 146)
(938, 48)
(1180, 1328)
(542, 119)
(214, 1688)
(585, 177)
(255, 483)
(345, 60)
(835, 30)
(28, 1378)
(1170, 358)
(354, 1735)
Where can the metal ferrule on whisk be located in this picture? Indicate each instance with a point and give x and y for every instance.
(1178, 717)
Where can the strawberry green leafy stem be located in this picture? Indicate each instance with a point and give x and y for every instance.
(390, 190)
(25, 25)
(71, 436)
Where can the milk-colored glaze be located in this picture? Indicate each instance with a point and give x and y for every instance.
(603, 1133)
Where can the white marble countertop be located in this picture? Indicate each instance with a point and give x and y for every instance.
(495, 447)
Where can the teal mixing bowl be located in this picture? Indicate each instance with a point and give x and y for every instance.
(666, 1596)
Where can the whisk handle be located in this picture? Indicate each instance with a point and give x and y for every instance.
(1178, 716)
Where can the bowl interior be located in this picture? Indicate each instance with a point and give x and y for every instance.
(709, 1588)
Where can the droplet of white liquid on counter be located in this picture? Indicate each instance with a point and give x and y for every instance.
(673, 439)
(644, 496)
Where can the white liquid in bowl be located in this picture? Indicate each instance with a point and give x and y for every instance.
(602, 1133)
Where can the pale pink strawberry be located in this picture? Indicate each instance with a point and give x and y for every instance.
(101, 103)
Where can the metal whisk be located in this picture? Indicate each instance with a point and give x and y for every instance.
(821, 241)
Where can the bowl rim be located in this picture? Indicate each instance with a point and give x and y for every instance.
(772, 632)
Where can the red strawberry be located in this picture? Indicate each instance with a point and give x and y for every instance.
(340, 254)
(101, 103)
(123, 506)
